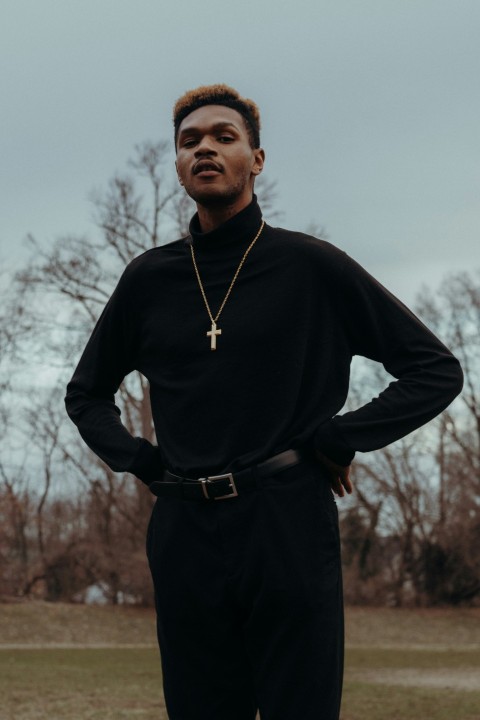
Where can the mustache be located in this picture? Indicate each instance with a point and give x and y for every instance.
(206, 164)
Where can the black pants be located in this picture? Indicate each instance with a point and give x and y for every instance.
(249, 601)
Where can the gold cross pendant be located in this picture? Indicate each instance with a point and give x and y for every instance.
(213, 336)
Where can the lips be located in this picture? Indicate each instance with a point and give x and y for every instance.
(206, 166)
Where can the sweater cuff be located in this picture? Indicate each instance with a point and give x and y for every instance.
(329, 441)
(147, 465)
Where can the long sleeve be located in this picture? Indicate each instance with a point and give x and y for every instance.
(299, 312)
(90, 400)
(428, 376)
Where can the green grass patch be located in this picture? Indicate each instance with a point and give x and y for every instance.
(362, 701)
(400, 664)
(402, 684)
(81, 684)
(120, 683)
(392, 658)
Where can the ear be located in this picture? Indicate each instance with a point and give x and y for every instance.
(259, 160)
(178, 174)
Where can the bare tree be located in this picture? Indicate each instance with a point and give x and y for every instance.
(425, 487)
(452, 560)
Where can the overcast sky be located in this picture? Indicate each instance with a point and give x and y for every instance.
(370, 109)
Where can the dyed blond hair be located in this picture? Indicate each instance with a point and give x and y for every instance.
(219, 95)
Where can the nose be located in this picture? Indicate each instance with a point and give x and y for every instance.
(205, 147)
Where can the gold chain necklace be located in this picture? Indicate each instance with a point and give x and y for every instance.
(212, 334)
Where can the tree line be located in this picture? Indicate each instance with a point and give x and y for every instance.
(68, 524)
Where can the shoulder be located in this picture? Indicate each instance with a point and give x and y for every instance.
(153, 259)
(306, 249)
(148, 271)
(158, 255)
(325, 264)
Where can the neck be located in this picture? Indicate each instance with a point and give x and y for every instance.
(211, 217)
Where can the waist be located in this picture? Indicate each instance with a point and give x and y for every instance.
(226, 485)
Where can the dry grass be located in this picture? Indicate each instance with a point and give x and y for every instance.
(46, 624)
(432, 627)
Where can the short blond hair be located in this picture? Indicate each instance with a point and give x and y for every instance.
(219, 95)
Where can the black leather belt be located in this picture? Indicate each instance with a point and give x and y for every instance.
(222, 487)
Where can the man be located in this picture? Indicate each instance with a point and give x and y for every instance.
(245, 333)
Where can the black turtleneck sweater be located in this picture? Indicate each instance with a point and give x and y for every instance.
(299, 310)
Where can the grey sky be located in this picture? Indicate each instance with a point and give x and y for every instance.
(371, 114)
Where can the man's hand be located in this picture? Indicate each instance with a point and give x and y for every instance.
(338, 474)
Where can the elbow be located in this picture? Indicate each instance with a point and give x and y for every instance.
(445, 382)
(74, 401)
(69, 405)
(458, 379)
(453, 380)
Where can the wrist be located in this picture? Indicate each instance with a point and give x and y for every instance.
(148, 465)
(329, 443)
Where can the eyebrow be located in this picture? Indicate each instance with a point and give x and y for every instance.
(217, 126)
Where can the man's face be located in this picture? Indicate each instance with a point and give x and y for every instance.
(215, 161)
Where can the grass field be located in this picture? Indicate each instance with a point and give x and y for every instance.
(76, 663)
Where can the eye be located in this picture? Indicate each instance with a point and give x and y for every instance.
(226, 138)
(189, 143)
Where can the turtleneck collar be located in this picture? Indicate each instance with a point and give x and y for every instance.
(241, 227)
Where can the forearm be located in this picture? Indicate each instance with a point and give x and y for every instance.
(428, 377)
(404, 406)
(100, 426)
(99, 423)
(107, 359)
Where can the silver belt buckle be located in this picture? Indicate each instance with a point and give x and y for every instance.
(215, 478)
